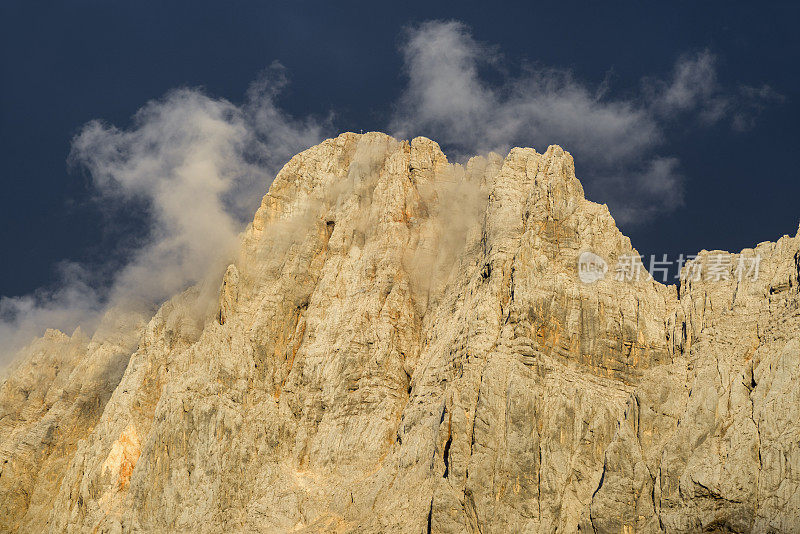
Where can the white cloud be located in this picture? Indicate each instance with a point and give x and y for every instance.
(200, 165)
(447, 97)
(72, 302)
(692, 87)
(616, 141)
(750, 103)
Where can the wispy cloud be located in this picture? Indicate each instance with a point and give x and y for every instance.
(693, 86)
(694, 89)
(199, 167)
(71, 302)
(617, 141)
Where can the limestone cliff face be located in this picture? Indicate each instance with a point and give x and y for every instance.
(404, 345)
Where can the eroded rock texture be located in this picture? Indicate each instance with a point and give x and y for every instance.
(404, 345)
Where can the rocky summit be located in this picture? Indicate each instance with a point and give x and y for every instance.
(403, 344)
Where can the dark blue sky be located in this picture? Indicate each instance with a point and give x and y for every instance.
(66, 63)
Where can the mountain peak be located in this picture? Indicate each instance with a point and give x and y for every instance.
(408, 344)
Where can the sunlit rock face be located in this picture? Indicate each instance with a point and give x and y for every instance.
(407, 345)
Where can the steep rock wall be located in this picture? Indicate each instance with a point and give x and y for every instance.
(404, 345)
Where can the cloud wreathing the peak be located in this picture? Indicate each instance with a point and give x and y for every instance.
(198, 166)
(617, 141)
(72, 302)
